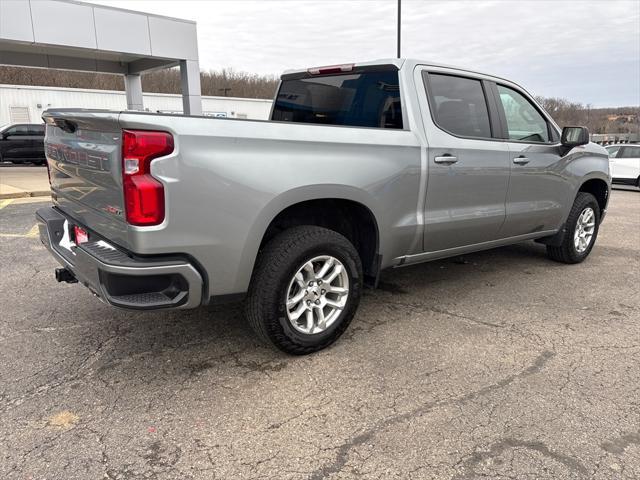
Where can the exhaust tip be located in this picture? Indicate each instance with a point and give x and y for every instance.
(65, 275)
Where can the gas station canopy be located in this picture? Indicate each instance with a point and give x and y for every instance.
(70, 35)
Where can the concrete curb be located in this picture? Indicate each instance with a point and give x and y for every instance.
(42, 193)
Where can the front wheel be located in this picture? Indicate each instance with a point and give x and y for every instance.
(581, 231)
(305, 289)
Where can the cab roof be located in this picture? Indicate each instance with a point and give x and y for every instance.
(400, 63)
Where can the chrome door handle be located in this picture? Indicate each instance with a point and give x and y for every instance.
(446, 159)
(521, 160)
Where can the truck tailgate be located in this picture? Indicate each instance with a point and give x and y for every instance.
(83, 150)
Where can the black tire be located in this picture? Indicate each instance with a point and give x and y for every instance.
(566, 252)
(276, 265)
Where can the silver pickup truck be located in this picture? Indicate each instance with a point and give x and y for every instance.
(361, 167)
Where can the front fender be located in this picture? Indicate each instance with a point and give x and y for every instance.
(589, 162)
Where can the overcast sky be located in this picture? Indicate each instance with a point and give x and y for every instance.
(585, 51)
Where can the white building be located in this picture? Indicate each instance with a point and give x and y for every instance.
(71, 35)
(25, 104)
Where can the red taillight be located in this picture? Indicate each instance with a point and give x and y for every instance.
(143, 194)
(347, 67)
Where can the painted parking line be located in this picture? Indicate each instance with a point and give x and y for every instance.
(33, 233)
(4, 203)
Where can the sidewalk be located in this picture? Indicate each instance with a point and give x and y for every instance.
(20, 182)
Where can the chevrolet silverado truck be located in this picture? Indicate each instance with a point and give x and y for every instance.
(361, 167)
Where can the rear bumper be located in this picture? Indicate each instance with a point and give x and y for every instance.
(118, 277)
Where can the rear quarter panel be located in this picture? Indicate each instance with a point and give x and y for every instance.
(228, 179)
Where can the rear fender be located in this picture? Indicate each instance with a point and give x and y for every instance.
(285, 200)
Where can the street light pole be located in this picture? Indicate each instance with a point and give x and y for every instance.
(399, 17)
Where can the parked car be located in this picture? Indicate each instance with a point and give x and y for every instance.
(362, 167)
(22, 143)
(624, 162)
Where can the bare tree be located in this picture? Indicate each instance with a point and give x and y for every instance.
(236, 84)
(597, 120)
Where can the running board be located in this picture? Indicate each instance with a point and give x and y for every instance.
(477, 247)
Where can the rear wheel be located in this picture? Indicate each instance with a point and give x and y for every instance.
(305, 289)
(581, 231)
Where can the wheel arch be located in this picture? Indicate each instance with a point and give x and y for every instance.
(301, 206)
(599, 188)
(595, 183)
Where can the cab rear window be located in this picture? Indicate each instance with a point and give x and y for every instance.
(364, 99)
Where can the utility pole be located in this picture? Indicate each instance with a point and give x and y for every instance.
(399, 23)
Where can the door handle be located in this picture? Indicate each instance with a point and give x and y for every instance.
(521, 160)
(446, 159)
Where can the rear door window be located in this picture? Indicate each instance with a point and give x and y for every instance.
(630, 152)
(362, 99)
(459, 105)
(36, 130)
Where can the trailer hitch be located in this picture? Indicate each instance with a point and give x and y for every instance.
(65, 275)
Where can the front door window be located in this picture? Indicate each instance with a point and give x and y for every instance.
(524, 122)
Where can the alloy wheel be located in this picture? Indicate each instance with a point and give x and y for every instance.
(317, 294)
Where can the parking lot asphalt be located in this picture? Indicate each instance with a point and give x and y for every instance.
(500, 364)
(18, 181)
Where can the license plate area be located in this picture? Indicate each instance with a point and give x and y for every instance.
(73, 235)
(80, 235)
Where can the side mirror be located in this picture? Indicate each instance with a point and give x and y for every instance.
(574, 136)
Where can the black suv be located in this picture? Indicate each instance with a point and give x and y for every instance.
(22, 143)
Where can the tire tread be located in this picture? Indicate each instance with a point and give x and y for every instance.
(276, 256)
(565, 253)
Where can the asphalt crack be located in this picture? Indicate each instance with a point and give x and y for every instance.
(505, 444)
(344, 450)
(620, 444)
